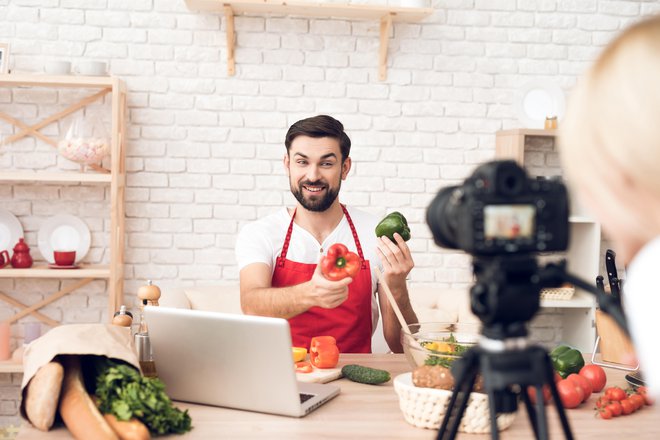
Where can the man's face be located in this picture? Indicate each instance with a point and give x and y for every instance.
(315, 171)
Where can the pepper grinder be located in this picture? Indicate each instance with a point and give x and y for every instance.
(123, 317)
(148, 295)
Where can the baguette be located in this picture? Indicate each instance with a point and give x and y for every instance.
(77, 408)
(42, 395)
(128, 430)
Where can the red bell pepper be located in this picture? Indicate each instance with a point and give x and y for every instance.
(340, 263)
(323, 352)
(304, 367)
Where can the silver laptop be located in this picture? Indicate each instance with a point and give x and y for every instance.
(230, 360)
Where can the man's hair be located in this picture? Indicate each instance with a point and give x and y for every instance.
(319, 127)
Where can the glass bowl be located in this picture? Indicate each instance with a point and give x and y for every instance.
(438, 343)
(89, 151)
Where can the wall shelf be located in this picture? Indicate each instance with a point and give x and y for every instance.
(385, 13)
(43, 271)
(53, 177)
(510, 144)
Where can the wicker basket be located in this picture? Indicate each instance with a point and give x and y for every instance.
(426, 407)
(561, 293)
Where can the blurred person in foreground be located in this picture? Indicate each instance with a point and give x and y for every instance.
(278, 255)
(610, 148)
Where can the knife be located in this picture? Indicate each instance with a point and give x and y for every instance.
(612, 275)
(599, 283)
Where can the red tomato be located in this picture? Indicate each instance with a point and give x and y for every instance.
(569, 393)
(615, 393)
(647, 398)
(605, 414)
(602, 402)
(558, 377)
(627, 407)
(595, 375)
(637, 400)
(304, 367)
(583, 382)
(547, 395)
(615, 408)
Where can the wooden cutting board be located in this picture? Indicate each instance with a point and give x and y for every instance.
(320, 375)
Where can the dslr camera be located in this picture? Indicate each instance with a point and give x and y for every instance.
(499, 210)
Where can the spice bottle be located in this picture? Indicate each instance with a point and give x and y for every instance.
(551, 122)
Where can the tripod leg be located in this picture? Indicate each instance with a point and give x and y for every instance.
(494, 432)
(550, 378)
(465, 374)
(532, 412)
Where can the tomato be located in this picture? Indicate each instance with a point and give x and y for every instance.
(627, 407)
(547, 395)
(570, 394)
(615, 393)
(557, 377)
(605, 414)
(323, 352)
(615, 408)
(583, 382)
(595, 375)
(602, 402)
(647, 398)
(637, 400)
(304, 367)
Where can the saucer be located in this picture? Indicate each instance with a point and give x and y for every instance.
(55, 266)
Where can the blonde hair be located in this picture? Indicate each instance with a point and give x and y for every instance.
(610, 137)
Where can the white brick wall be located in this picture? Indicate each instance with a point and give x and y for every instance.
(204, 150)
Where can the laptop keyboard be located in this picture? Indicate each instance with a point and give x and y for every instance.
(305, 397)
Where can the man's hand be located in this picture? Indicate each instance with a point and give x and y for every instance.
(325, 293)
(396, 259)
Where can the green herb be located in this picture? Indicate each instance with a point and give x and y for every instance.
(441, 357)
(122, 391)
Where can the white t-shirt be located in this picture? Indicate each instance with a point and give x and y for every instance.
(642, 305)
(261, 241)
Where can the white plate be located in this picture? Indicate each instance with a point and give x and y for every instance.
(63, 232)
(537, 101)
(10, 231)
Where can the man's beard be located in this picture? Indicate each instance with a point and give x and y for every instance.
(317, 204)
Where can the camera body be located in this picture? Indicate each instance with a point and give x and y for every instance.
(499, 210)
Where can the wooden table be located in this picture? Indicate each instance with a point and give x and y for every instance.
(372, 412)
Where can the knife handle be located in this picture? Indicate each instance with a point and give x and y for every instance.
(599, 283)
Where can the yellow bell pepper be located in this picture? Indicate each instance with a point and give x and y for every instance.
(299, 353)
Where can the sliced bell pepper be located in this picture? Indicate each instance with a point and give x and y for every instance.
(299, 353)
(323, 352)
(340, 263)
(304, 367)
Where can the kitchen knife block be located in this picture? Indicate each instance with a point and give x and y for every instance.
(615, 345)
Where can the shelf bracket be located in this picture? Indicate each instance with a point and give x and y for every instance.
(385, 26)
(231, 40)
(39, 316)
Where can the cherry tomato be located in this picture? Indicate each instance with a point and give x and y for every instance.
(605, 414)
(602, 402)
(583, 382)
(615, 393)
(647, 398)
(627, 407)
(595, 375)
(547, 395)
(614, 408)
(637, 400)
(304, 367)
(570, 394)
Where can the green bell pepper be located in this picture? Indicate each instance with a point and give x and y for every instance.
(394, 222)
(566, 360)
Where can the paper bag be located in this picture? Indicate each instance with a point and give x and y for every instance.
(82, 339)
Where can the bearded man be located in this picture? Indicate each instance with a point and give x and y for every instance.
(278, 256)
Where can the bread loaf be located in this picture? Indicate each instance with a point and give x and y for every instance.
(77, 409)
(128, 430)
(42, 395)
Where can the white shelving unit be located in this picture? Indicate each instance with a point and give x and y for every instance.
(578, 314)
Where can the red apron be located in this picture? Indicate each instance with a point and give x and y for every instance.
(350, 322)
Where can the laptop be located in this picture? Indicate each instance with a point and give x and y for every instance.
(230, 360)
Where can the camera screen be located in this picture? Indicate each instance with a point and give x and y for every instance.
(509, 221)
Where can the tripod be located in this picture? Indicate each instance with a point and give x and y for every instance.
(505, 297)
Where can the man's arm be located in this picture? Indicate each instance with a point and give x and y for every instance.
(397, 264)
(258, 297)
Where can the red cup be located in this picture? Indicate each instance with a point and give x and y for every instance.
(64, 258)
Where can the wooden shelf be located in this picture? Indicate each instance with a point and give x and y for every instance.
(10, 367)
(385, 13)
(510, 144)
(34, 80)
(43, 271)
(54, 177)
(580, 300)
(527, 132)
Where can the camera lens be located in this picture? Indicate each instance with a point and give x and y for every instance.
(441, 216)
(510, 179)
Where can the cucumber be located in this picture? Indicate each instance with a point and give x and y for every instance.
(361, 374)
